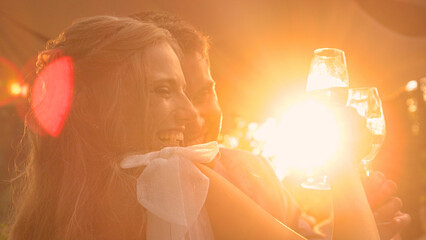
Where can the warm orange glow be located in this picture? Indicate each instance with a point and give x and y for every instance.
(411, 85)
(52, 95)
(15, 88)
(10, 82)
(266, 130)
(306, 137)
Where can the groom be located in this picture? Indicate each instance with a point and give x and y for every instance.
(252, 174)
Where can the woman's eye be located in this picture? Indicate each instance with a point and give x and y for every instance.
(164, 91)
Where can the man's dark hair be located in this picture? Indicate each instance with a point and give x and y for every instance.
(189, 39)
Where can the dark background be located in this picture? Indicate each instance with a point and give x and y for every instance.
(260, 58)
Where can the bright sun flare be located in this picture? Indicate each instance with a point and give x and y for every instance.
(306, 137)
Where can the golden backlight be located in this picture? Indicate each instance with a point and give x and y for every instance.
(16, 88)
(305, 137)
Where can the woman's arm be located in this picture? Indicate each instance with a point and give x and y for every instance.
(233, 215)
(352, 216)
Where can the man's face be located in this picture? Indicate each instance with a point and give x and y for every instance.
(201, 91)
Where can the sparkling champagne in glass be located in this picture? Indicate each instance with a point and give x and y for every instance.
(328, 70)
(327, 84)
(368, 105)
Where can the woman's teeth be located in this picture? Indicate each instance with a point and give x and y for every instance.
(171, 138)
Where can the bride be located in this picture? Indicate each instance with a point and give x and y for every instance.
(115, 168)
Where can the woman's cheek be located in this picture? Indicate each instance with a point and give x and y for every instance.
(162, 108)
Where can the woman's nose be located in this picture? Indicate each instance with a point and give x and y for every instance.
(186, 111)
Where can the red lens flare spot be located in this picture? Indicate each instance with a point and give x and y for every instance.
(11, 82)
(24, 90)
(52, 95)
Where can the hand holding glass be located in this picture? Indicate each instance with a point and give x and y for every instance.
(328, 82)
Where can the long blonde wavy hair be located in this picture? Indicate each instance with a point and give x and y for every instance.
(72, 186)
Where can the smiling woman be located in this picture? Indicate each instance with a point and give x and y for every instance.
(170, 108)
(127, 96)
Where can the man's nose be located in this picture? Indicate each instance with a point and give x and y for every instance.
(186, 112)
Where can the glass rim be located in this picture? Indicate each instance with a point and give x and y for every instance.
(318, 51)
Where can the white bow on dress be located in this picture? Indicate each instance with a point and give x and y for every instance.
(173, 191)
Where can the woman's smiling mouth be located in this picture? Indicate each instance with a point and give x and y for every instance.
(171, 138)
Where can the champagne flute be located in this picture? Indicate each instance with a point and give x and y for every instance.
(328, 70)
(328, 84)
(368, 105)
